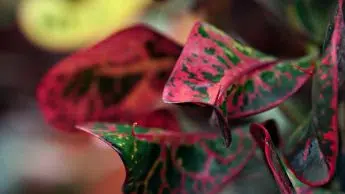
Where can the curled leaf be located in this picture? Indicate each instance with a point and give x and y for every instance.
(263, 139)
(116, 79)
(313, 159)
(286, 181)
(311, 153)
(161, 161)
(234, 79)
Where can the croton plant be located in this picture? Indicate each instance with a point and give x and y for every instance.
(170, 110)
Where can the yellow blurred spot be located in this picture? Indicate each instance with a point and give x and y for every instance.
(65, 25)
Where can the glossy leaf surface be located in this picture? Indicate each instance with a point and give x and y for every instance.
(160, 161)
(116, 79)
(236, 80)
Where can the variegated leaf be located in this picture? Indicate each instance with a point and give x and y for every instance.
(234, 79)
(311, 153)
(313, 160)
(161, 161)
(286, 181)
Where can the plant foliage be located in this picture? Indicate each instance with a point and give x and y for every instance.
(184, 96)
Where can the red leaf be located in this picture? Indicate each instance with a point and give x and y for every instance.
(118, 78)
(234, 79)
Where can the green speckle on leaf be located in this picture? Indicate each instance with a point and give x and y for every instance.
(237, 94)
(197, 155)
(267, 77)
(213, 78)
(228, 53)
(249, 86)
(203, 32)
(203, 91)
(191, 75)
(232, 57)
(210, 51)
(222, 60)
(221, 44)
(218, 69)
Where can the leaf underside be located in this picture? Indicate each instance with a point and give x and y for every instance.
(160, 161)
(106, 82)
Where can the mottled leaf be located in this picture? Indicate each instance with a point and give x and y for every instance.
(340, 49)
(311, 152)
(118, 78)
(313, 159)
(234, 79)
(266, 88)
(286, 180)
(161, 161)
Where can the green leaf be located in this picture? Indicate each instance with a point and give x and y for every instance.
(311, 16)
(160, 161)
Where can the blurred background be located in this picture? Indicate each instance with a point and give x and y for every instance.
(35, 34)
